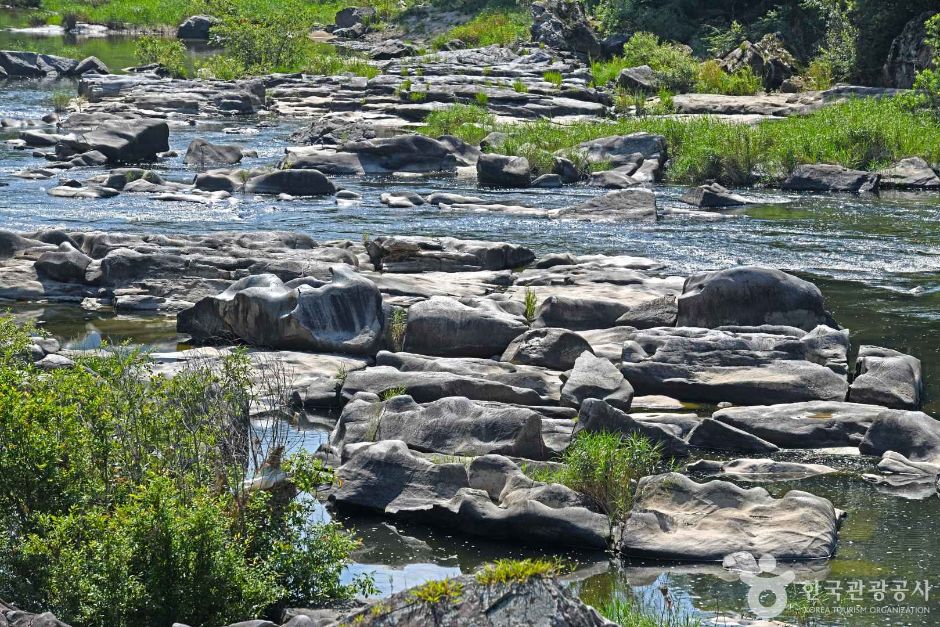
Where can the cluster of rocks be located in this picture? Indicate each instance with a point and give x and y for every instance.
(22, 64)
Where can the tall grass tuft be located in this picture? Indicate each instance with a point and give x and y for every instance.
(470, 123)
(492, 26)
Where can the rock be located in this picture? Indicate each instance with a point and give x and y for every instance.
(760, 469)
(628, 204)
(448, 327)
(201, 153)
(18, 618)
(639, 79)
(386, 155)
(22, 64)
(624, 150)
(578, 314)
(717, 436)
(887, 377)
(388, 478)
(561, 24)
(747, 365)
(91, 192)
(897, 464)
(712, 195)
(912, 173)
(913, 434)
(612, 179)
(909, 54)
(65, 264)
(391, 49)
(751, 296)
(12, 243)
(566, 170)
(597, 415)
(807, 425)
(494, 139)
(344, 315)
(548, 181)
(659, 312)
(449, 426)
(768, 59)
(292, 182)
(126, 142)
(402, 200)
(596, 377)
(352, 16)
(445, 254)
(54, 362)
(503, 171)
(552, 348)
(91, 65)
(675, 518)
(830, 178)
(196, 27)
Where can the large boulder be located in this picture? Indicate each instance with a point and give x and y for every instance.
(128, 141)
(503, 171)
(751, 296)
(913, 434)
(597, 415)
(807, 425)
(292, 182)
(344, 315)
(561, 24)
(547, 347)
(909, 54)
(65, 264)
(385, 155)
(196, 27)
(830, 178)
(640, 79)
(23, 64)
(201, 153)
(353, 16)
(712, 196)
(621, 150)
(450, 426)
(675, 518)
(452, 328)
(887, 377)
(397, 253)
(742, 365)
(537, 602)
(717, 436)
(912, 173)
(768, 59)
(388, 478)
(637, 204)
(596, 377)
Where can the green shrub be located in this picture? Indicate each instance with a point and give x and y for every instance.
(517, 571)
(438, 591)
(674, 66)
(124, 499)
(520, 87)
(818, 75)
(470, 123)
(170, 53)
(531, 303)
(553, 77)
(714, 80)
(927, 82)
(271, 41)
(61, 100)
(492, 26)
(481, 98)
(220, 67)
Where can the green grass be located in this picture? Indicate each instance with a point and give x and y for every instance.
(434, 592)
(861, 133)
(492, 26)
(552, 77)
(626, 613)
(517, 571)
(531, 305)
(470, 122)
(714, 80)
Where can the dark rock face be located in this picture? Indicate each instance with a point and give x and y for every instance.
(746, 366)
(556, 349)
(450, 426)
(196, 27)
(445, 254)
(344, 315)
(674, 517)
(561, 24)
(909, 54)
(351, 16)
(451, 328)
(830, 178)
(201, 153)
(751, 296)
(503, 171)
(542, 603)
(660, 312)
(718, 436)
(66, 264)
(887, 377)
(711, 196)
(597, 415)
(292, 182)
(387, 477)
(121, 141)
(913, 434)
(768, 59)
(638, 79)
(19, 64)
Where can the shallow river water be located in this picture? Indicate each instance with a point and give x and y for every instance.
(876, 259)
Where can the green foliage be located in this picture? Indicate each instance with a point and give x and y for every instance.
(391, 393)
(666, 104)
(470, 123)
(520, 87)
(818, 75)
(927, 83)
(674, 66)
(398, 327)
(220, 67)
(626, 613)
(838, 49)
(60, 100)
(492, 26)
(124, 499)
(714, 80)
(553, 77)
(506, 571)
(720, 41)
(269, 41)
(438, 591)
(481, 98)
(531, 305)
(170, 53)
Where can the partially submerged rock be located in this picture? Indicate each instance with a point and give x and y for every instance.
(913, 434)
(887, 377)
(713, 196)
(912, 173)
(760, 469)
(830, 178)
(503, 171)
(626, 204)
(676, 518)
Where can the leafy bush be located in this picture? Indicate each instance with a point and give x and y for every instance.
(220, 67)
(673, 64)
(470, 123)
(927, 82)
(818, 75)
(271, 41)
(170, 53)
(492, 26)
(125, 499)
(714, 80)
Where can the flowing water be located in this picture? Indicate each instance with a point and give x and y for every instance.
(876, 259)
